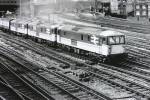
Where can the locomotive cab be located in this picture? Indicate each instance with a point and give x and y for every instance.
(114, 45)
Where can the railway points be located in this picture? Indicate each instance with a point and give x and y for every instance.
(77, 86)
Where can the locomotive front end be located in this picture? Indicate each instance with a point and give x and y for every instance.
(117, 50)
(115, 46)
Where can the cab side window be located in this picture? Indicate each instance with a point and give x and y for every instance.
(43, 30)
(89, 38)
(26, 26)
(52, 30)
(31, 27)
(81, 36)
(104, 41)
(59, 32)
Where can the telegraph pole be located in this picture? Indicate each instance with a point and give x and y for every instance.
(134, 7)
(32, 8)
(20, 7)
(96, 5)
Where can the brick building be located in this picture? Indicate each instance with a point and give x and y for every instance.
(121, 7)
(142, 8)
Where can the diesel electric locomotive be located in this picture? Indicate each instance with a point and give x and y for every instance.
(103, 44)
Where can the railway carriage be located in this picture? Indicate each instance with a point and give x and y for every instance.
(43, 31)
(32, 28)
(47, 32)
(20, 26)
(5, 24)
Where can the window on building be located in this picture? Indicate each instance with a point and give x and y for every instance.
(137, 13)
(143, 6)
(81, 36)
(137, 6)
(144, 13)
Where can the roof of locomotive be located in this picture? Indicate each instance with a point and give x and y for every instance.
(21, 20)
(5, 19)
(34, 22)
(111, 33)
(48, 25)
(91, 31)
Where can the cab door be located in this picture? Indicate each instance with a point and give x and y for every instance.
(58, 36)
(104, 47)
(55, 32)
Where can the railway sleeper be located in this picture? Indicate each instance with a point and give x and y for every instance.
(65, 85)
(74, 90)
(69, 87)
(80, 93)
(125, 87)
(135, 87)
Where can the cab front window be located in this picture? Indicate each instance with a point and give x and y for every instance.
(114, 40)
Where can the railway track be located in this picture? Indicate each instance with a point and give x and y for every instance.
(81, 91)
(20, 85)
(109, 78)
(55, 53)
(8, 93)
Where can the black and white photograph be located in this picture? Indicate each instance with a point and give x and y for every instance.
(74, 49)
